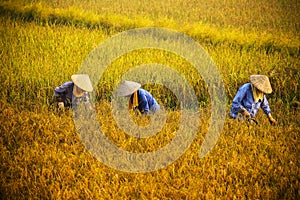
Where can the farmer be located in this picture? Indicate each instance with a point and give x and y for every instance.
(138, 98)
(72, 92)
(251, 96)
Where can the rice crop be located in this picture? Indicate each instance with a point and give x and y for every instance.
(44, 42)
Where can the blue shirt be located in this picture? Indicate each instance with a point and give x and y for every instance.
(244, 99)
(65, 92)
(146, 102)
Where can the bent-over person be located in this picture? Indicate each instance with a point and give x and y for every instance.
(252, 96)
(70, 93)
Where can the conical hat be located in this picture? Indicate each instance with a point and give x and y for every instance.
(82, 81)
(127, 88)
(262, 83)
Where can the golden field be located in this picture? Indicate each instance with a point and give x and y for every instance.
(44, 42)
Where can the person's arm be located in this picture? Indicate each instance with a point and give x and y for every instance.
(266, 108)
(143, 103)
(237, 102)
(59, 92)
(86, 97)
(86, 100)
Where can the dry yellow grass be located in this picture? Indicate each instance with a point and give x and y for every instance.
(42, 155)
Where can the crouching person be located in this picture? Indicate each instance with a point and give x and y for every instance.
(138, 98)
(252, 96)
(70, 93)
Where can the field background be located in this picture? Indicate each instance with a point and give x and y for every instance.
(44, 42)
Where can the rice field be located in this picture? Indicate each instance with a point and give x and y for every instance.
(44, 42)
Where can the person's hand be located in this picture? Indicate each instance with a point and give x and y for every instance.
(61, 105)
(59, 99)
(272, 120)
(88, 105)
(246, 114)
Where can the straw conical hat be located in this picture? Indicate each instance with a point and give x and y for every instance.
(262, 83)
(82, 81)
(127, 88)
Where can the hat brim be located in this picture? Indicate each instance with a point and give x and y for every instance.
(262, 83)
(127, 88)
(82, 81)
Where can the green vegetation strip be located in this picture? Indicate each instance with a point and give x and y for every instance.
(41, 13)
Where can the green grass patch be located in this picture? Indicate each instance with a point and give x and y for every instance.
(203, 32)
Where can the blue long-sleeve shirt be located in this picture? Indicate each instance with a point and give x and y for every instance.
(146, 102)
(244, 99)
(65, 92)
